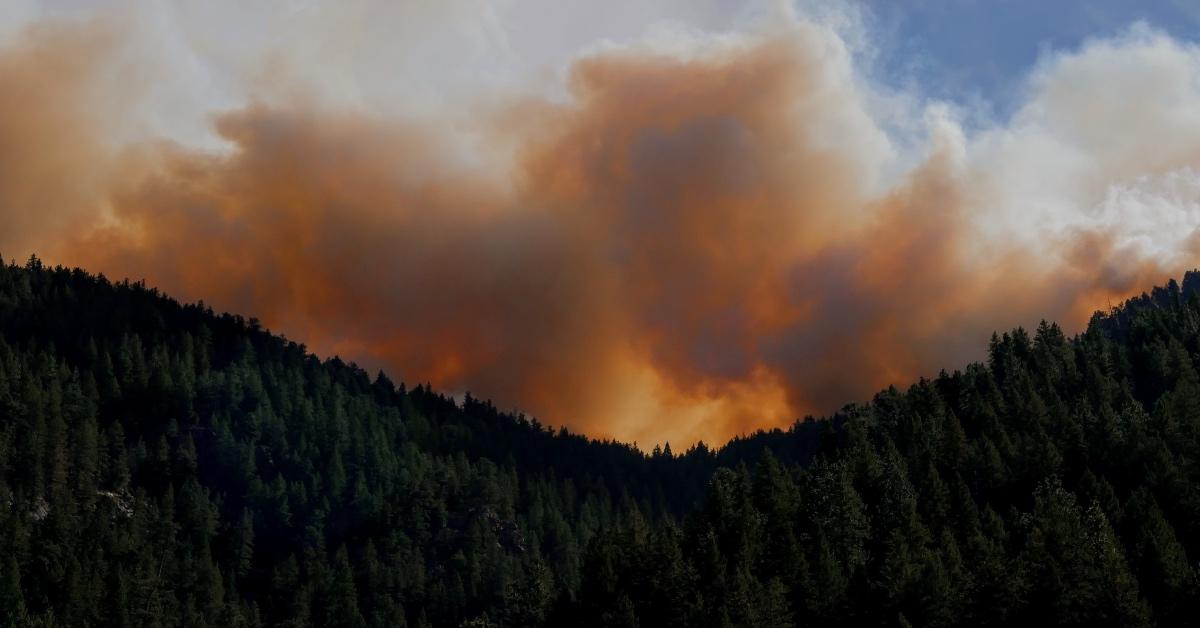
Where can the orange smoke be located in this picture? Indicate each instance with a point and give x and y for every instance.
(686, 249)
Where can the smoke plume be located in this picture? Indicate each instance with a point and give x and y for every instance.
(687, 238)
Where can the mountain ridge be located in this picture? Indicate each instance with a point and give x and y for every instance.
(269, 487)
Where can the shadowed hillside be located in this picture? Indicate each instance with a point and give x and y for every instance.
(164, 465)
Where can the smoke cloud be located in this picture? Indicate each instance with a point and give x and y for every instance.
(688, 236)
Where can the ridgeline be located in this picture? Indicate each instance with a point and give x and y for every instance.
(161, 464)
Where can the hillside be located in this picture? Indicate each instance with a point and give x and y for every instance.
(161, 464)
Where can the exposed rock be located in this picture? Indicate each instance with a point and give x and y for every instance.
(122, 501)
(40, 510)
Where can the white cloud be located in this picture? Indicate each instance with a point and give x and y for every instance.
(1102, 131)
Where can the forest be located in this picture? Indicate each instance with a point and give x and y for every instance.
(162, 464)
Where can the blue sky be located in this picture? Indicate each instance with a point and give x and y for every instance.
(964, 49)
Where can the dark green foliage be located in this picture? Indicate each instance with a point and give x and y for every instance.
(163, 465)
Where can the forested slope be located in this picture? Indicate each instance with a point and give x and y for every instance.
(164, 465)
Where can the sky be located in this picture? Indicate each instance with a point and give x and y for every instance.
(982, 50)
(666, 221)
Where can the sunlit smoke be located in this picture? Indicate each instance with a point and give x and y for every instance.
(689, 236)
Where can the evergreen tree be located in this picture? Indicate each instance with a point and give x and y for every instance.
(164, 465)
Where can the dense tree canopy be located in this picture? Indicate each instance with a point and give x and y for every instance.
(164, 465)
